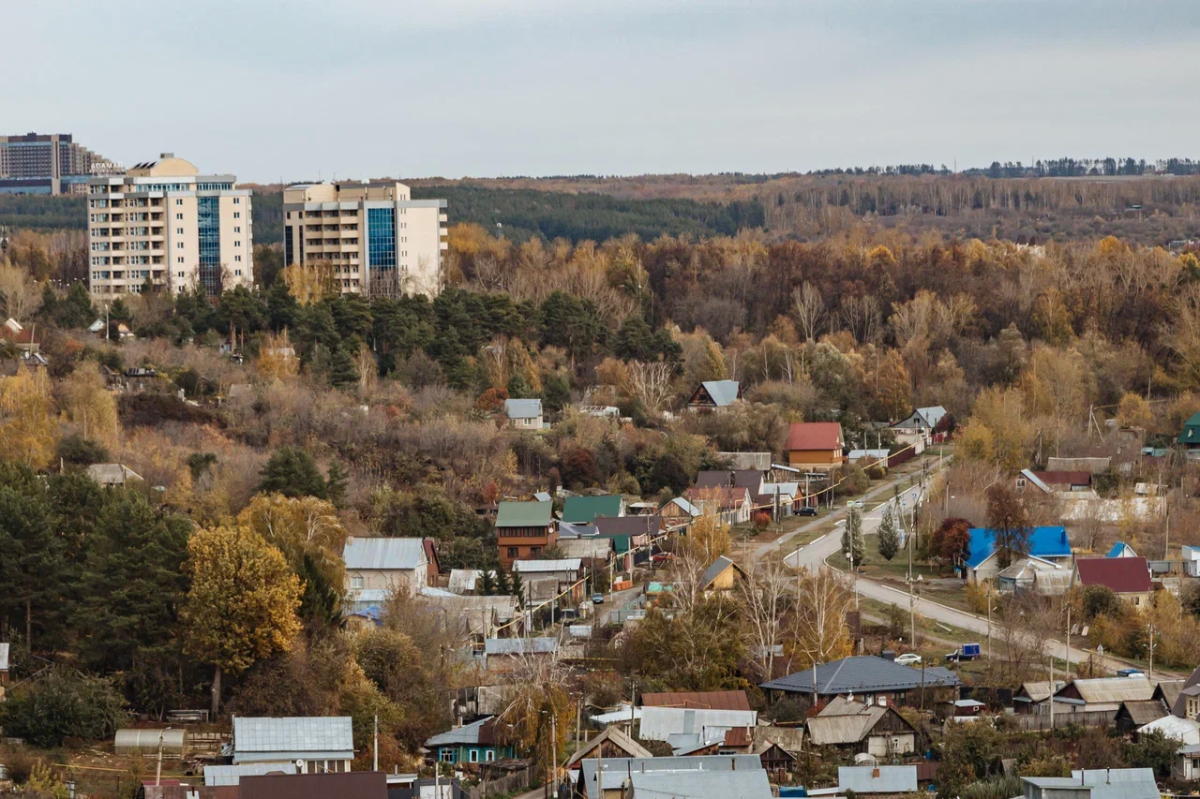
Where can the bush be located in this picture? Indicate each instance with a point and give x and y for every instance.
(79, 451)
(1099, 600)
(63, 703)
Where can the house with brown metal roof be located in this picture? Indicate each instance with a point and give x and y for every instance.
(1128, 578)
(698, 700)
(815, 446)
(343, 785)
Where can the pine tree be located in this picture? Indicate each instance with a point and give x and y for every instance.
(517, 588)
(852, 537)
(889, 536)
(486, 584)
(335, 485)
(503, 586)
(342, 371)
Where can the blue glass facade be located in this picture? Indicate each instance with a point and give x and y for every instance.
(381, 239)
(289, 250)
(209, 225)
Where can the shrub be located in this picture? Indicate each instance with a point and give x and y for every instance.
(63, 703)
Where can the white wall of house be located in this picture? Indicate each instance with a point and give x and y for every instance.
(395, 580)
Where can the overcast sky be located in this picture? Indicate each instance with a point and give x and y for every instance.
(362, 88)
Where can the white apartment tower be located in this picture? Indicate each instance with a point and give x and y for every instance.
(164, 221)
(372, 237)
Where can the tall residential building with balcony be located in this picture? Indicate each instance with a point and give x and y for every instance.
(373, 238)
(164, 221)
(37, 163)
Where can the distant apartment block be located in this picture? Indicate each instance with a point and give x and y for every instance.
(165, 222)
(373, 237)
(35, 163)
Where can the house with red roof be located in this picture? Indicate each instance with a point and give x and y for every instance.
(1128, 578)
(815, 446)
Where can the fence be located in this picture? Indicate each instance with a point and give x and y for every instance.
(1041, 721)
(510, 783)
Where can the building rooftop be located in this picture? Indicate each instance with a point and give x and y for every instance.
(814, 435)
(709, 700)
(1122, 575)
(292, 734)
(342, 785)
(536, 566)
(863, 674)
(524, 514)
(1044, 542)
(584, 510)
(384, 553)
(523, 408)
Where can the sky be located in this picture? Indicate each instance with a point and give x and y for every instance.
(350, 89)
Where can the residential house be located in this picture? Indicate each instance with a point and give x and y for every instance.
(112, 475)
(1047, 544)
(505, 655)
(714, 395)
(631, 537)
(1186, 731)
(722, 575)
(870, 677)
(877, 779)
(929, 424)
(386, 564)
(471, 743)
(690, 720)
(1102, 694)
(1121, 550)
(524, 414)
(594, 551)
(773, 756)
(733, 505)
(546, 579)
(1101, 783)
(1134, 714)
(314, 744)
(679, 513)
(760, 461)
(585, 510)
(1186, 766)
(1033, 698)
(1168, 692)
(3, 667)
(476, 618)
(232, 775)
(610, 743)
(695, 785)
(1093, 465)
(752, 480)
(1189, 437)
(864, 457)
(815, 446)
(1052, 482)
(356, 785)
(785, 498)
(1128, 578)
(524, 530)
(875, 729)
(604, 778)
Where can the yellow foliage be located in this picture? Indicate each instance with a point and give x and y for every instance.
(28, 430)
(881, 256)
(310, 283)
(277, 358)
(299, 527)
(90, 406)
(708, 536)
(1134, 411)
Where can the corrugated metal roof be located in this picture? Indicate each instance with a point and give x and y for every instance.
(723, 392)
(584, 510)
(618, 738)
(1146, 711)
(1117, 783)
(838, 730)
(700, 785)
(1103, 690)
(146, 740)
(1185, 730)
(523, 408)
(384, 553)
(659, 723)
(466, 734)
(1044, 542)
(707, 700)
(520, 646)
(617, 770)
(1122, 575)
(814, 435)
(231, 775)
(863, 674)
(877, 779)
(536, 566)
(293, 734)
(344, 785)
(685, 506)
(611, 526)
(524, 514)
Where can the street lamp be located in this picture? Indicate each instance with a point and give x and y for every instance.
(158, 774)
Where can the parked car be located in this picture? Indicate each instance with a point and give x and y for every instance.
(964, 652)
(597, 599)
(806, 511)
(1130, 673)
(909, 659)
(854, 503)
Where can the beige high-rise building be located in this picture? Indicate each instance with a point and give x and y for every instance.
(373, 237)
(164, 221)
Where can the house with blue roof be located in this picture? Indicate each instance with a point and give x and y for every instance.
(713, 395)
(1048, 544)
(1121, 550)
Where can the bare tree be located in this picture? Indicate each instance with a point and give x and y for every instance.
(766, 594)
(19, 291)
(818, 631)
(810, 310)
(862, 317)
(651, 383)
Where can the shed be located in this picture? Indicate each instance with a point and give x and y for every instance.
(1134, 714)
(877, 779)
(146, 742)
(232, 775)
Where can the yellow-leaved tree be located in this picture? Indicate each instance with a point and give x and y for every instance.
(89, 405)
(708, 537)
(277, 359)
(303, 529)
(818, 631)
(28, 429)
(242, 604)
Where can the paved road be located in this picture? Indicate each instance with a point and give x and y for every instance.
(816, 553)
(615, 601)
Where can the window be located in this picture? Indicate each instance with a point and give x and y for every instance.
(180, 273)
(179, 216)
(356, 581)
(489, 755)
(237, 200)
(446, 755)
(179, 245)
(237, 214)
(237, 244)
(178, 201)
(514, 552)
(179, 260)
(237, 273)
(179, 231)
(237, 258)
(237, 230)
(473, 756)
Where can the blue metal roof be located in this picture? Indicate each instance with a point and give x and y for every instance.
(1118, 550)
(1044, 542)
(723, 392)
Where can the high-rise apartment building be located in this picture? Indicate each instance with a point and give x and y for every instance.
(164, 221)
(53, 163)
(372, 237)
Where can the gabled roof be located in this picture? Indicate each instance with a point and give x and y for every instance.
(609, 526)
(932, 414)
(845, 721)
(1038, 691)
(706, 700)
(716, 568)
(814, 435)
(384, 553)
(523, 408)
(862, 674)
(477, 732)
(292, 734)
(726, 498)
(1044, 542)
(584, 510)
(618, 738)
(1122, 575)
(1191, 431)
(685, 506)
(740, 478)
(111, 473)
(524, 514)
(1121, 550)
(1107, 690)
(1144, 711)
(722, 392)
(751, 784)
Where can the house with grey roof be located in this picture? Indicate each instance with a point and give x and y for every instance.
(506, 655)
(314, 744)
(714, 395)
(112, 475)
(721, 575)
(609, 778)
(476, 742)
(869, 678)
(232, 775)
(851, 724)
(386, 564)
(524, 414)
(699, 785)
(1105, 783)
(687, 729)
(877, 779)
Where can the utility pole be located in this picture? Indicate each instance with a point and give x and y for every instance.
(989, 596)
(1151, 674)
(1052, 692)
(158, 772)
(912, 615)
(375, 746)
(1068, 640)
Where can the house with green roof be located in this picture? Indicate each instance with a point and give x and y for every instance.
(584, 510)
(1190, 435)
(524, 530)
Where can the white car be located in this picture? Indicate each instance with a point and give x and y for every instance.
(910, 659)
(855, 503)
